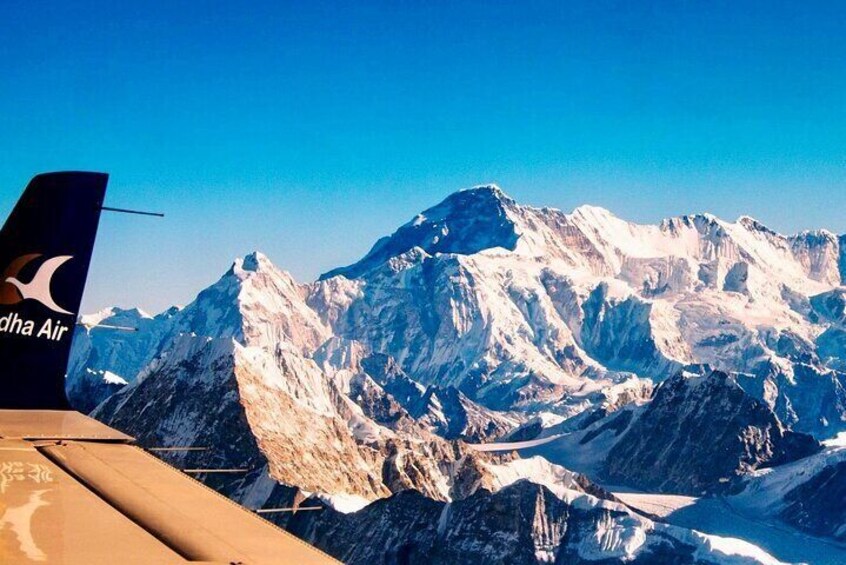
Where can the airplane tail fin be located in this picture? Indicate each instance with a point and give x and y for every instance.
(45, 252)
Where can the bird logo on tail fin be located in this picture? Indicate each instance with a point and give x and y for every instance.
(38, 288)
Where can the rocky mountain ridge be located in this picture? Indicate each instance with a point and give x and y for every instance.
(699, 433)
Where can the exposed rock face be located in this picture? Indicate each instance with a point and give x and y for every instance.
(803, 396)
(193, 399)
(313, 450)
(698, 433)
(450, 414)
(524, 523)
(92, 387)
(605, 317)
(378, 405)
(672, 445)
(445, 411)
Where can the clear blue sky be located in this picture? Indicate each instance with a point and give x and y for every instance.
(309, 130)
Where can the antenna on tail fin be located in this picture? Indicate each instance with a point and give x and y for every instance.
(45, 252)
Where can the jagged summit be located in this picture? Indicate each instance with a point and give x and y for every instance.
(484, 191)
(820, 236)
(255, 261)
(466, 222)
(562, 297)
(593, 212)
(752, 224)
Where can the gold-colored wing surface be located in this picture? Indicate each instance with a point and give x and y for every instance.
(46, 516)
(75, 491)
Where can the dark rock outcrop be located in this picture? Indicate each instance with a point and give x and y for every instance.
(700, 434)
(521, 524)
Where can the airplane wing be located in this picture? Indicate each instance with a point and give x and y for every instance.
(73, 490)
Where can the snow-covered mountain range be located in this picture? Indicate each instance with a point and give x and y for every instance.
(685, 357)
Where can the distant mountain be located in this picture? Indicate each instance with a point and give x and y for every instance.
(534, 309)
(110, 348)
(481, 320)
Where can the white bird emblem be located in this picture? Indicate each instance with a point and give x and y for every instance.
(39, 287)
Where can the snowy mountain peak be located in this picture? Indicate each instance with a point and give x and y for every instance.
(479, 204)
(256, 261)
(479, 315)
(595, 213)
(818, 237)
(485, 191)
(752, 224)
(570, 294)
(466, 222)
(114, 314)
